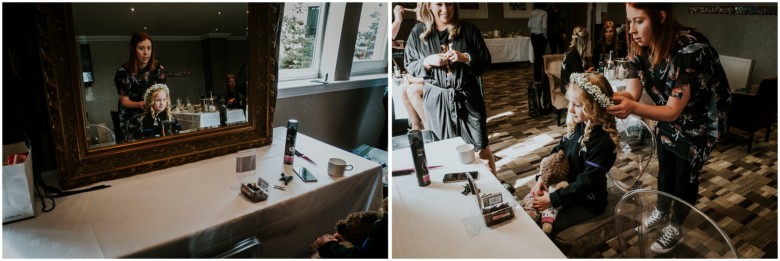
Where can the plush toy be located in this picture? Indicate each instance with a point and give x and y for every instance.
(553, 173)
(352, 230)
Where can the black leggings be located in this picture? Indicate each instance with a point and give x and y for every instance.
(570, 215)
(674, 177)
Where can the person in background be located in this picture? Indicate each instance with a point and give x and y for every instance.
(608, 41)
(575, 59)
(537, 23)
(681, 72)
(157, 119)
(134, 77)
(590, 145)
(451, 55)
(556, 28)
(233, 98)
(411, 88)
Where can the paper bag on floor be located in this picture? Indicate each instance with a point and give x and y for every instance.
(18, 194)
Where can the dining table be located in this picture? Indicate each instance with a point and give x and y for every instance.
(200, 120)
(439, 221)
(510, 49)
(196, 210)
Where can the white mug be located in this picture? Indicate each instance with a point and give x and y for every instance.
(336, 167)
(466, 153)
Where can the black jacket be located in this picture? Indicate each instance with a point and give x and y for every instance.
(587, 170)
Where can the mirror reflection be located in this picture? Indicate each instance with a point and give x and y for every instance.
(195, 57)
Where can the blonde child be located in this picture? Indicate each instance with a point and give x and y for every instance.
(590, 145)
(157, 119)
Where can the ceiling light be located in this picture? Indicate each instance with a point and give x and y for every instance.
(144, 27)
(247, 11)
(132, 9)
(219, 13)
(216, 29)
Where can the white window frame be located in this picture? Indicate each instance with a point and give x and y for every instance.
(331, 24)
(313, 72)
(380, 48)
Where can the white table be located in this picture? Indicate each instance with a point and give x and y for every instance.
(511, 49)
(432, 221)
(196, 120)
(195, 210)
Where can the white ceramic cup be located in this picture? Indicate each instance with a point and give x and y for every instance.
(466, 153)
(336, 167)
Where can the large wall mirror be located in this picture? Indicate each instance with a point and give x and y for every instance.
(83, 44)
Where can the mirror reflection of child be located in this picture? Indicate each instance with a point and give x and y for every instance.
(157, 119)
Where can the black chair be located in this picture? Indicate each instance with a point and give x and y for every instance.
(752, 112)
(118, 134)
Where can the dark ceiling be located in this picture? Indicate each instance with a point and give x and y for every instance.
(160, 19)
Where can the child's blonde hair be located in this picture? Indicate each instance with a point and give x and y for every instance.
(593, 90)
(149, 99)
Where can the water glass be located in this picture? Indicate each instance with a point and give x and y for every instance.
(245, 166)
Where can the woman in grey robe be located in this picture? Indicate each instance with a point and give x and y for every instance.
(451, 56)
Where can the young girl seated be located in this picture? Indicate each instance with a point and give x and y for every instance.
(157, 119)
(590, 145)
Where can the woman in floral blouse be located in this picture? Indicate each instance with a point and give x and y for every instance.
(132, 79)
(681, 71)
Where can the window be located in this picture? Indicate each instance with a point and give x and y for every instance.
(304, 36)
(301, 38)
(370, 47)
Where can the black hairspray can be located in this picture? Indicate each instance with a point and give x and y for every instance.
(418, 155)
(289, 144)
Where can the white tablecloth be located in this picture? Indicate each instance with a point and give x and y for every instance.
(513, 49)
(437, 221)
(195, 210)
(191, 120)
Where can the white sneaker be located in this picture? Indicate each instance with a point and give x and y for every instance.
(656, 220)
(668, 240)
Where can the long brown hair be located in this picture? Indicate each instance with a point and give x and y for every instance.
(663, 32)
(603, 38)
(427, 18)
(136, 38)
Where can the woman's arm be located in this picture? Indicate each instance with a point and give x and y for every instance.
(127, 103)
(398, 12)
(415, 61)
(626, 103)
(476, 55)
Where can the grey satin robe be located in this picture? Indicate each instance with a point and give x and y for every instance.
(455, 106)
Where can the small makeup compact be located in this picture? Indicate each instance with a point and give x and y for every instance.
(255, 192)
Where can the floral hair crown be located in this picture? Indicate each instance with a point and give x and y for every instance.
(593, 90)
(153, 89)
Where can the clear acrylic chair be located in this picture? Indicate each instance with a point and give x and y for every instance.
(100, 135)
(701, 236)
(636, 165)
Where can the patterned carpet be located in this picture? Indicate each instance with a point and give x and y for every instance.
(738, 189)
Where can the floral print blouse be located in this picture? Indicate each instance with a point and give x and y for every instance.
(693, 64)
(134, 86)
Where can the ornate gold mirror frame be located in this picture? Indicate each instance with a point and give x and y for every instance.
(78, 165)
